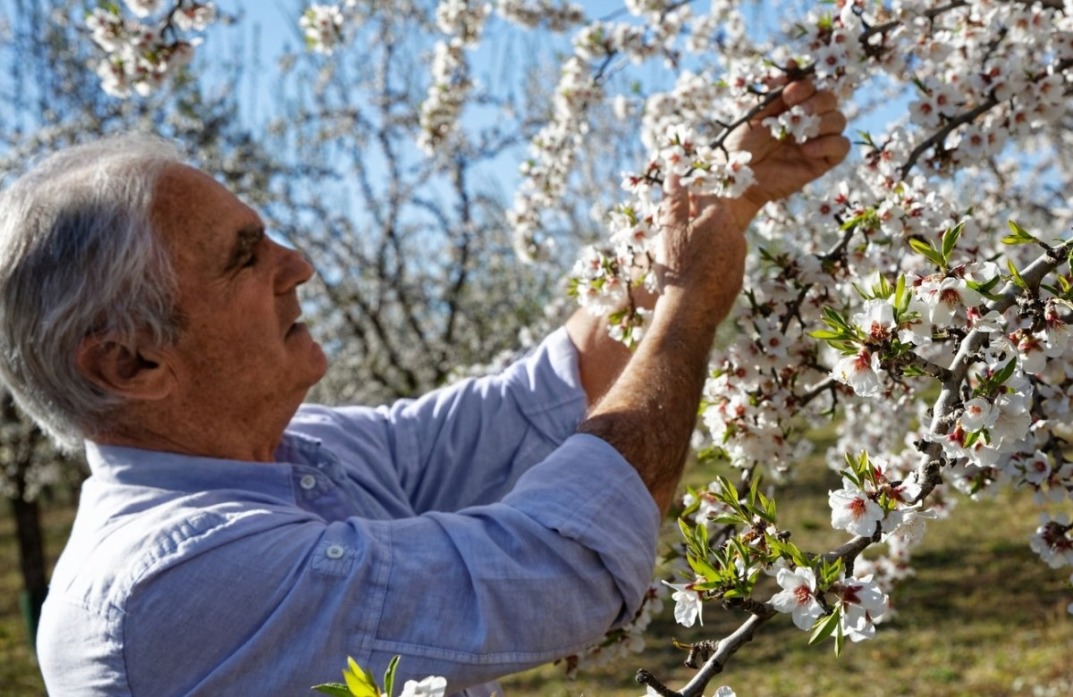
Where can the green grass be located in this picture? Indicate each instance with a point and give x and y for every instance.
(983, 617)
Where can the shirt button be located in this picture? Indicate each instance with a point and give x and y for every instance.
(334, 551)
(307, 482)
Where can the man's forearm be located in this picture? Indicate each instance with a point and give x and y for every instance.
(649, 413)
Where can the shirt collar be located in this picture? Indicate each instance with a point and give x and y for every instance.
(181, 472)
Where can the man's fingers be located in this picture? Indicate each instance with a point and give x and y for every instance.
(820, 103)
(798, 92)
(831, 148)
(832, 122)
(676, 201)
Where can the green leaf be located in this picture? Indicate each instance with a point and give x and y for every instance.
(923, 248)
(840, 640)
(389, 676)
(1005, 373)
(1018, 280)
(359, 680)
(834, 319)
(901, 298)
(687, 532)
(950, 239)
(825, 626)
(703, 568)
(336, 689)
(1019, 236)
(827, 335)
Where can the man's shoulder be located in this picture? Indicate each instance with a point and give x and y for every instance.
(115, 548)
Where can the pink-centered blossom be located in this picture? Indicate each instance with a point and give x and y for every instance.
(978, 414)
(863, 602)
(860, 371)
(798, 596)
(853, 511)
(794, 124)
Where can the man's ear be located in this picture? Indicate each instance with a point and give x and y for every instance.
(123, 369)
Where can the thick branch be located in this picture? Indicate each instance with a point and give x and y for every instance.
(950, 395)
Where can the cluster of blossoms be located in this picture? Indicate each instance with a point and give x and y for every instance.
(873, 499)
(869, 291)
(546, 173)
(140, 51)
(556, 16)
(858, 602)
(819, 594)
(322, 26)
(462, 22)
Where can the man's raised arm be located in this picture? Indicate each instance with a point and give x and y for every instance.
(645, 405)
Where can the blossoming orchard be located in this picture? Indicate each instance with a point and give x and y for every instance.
(920, 296)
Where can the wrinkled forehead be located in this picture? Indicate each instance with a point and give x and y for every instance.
(196, 216)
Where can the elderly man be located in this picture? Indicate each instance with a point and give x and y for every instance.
(232, 540)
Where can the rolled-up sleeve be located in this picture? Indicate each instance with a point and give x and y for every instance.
(542, 574)
(466, 444)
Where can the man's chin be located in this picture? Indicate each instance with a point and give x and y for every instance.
(319, 364)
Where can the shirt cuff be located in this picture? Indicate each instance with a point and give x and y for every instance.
(586, 491)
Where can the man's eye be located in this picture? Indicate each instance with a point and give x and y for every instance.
(250, 261)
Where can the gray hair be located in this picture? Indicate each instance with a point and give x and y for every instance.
(79, 256)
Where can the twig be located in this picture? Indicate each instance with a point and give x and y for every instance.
(727, 648)
(645, 678)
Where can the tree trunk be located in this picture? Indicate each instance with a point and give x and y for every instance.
(31, 561)
(27, 515)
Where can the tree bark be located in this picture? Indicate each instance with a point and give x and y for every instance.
(31, 562)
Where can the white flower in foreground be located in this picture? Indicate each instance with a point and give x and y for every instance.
(432, 686)
(979, 413)
(798, 596)
(794, 123)
(725, 690)
(859, 371)
(863, 602)
(687, 604)
(196, 17)
(876, 319)
(853, 511)
(913, 524)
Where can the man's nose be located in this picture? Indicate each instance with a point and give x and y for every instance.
(295, 268)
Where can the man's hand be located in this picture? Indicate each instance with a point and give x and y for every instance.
(650, 410)
(783, 167)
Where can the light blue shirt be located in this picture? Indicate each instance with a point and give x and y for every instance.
(468, 531)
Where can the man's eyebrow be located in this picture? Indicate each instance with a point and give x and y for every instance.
(245, 240)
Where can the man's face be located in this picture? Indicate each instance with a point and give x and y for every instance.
(242, 356)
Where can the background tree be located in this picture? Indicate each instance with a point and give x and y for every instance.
(53, 100)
